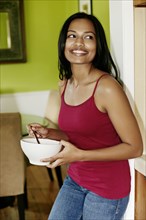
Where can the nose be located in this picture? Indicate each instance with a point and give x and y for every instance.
(79, 42)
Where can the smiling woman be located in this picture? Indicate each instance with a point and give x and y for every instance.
(95, 114)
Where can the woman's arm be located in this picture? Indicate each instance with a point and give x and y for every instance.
(53, 106)
(113, 100)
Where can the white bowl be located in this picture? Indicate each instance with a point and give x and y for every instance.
(35, 152)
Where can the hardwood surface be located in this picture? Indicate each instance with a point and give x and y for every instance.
(139, 3)
(41, 195)
(140, 196)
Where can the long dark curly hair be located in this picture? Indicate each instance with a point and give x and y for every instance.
(102, 60)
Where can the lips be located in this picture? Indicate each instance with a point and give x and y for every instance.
(79, 52)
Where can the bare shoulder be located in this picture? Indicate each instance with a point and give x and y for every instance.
(110, 92)
(61, 85)
(108, 85)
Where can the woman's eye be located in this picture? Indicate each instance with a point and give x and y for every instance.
(89, 37)
(71, 36)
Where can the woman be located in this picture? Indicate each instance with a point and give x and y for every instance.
(101, 128)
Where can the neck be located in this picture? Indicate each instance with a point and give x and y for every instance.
(80, 74)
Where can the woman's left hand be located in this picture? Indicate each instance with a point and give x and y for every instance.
(67, 155)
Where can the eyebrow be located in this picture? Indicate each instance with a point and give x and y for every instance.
(86, 32)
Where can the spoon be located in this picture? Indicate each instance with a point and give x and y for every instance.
(35, 134)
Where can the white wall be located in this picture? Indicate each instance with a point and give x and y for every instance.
(122, 48)
(34, 103)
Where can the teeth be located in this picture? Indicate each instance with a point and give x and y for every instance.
(79, 51)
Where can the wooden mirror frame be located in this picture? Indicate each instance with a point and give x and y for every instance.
(16, 53)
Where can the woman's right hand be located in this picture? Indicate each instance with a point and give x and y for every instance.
(40, 130)
(44, 132)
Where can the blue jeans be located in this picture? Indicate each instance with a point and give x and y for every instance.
(77, 203)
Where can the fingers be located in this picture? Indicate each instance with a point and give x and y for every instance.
(53, 161)
(67, 155)
(32, 126)
(59, 159)
(38, 128)
(65, 143)
(56, 163)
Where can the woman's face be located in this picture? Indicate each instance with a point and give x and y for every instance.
(80, 47)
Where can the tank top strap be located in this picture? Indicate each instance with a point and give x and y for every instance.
(64, 87)
(97, 83)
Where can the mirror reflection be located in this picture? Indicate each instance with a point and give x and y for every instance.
(5, 37)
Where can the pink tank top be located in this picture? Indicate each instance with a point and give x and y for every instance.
(89, 128)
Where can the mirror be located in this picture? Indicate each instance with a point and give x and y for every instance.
(12, 41)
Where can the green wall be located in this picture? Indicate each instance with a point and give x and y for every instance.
(101, 11)
(43, 20)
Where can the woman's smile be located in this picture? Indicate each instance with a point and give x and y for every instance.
(79, 52)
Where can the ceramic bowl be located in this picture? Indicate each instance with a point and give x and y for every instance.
(35, 152)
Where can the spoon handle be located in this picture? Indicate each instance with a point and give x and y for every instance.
(36, 137)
